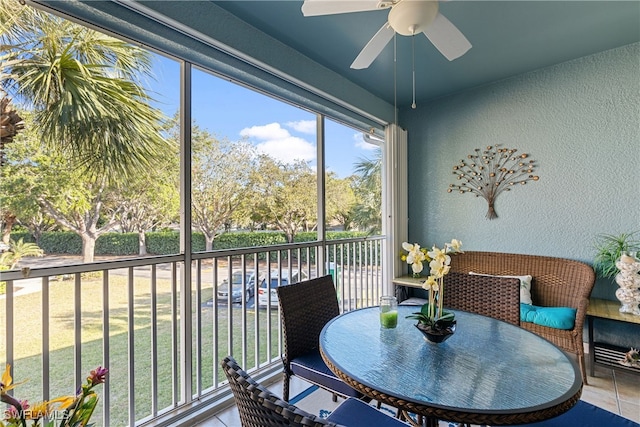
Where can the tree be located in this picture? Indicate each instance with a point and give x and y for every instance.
(17, 251)
(16, 181)
(76, 202)
(80, 210)
(287, 193)
(340, 201)
(91, 111)
(10, 124)
(368, 189)
(38, 182)
(220, 178)
(150, 199)
(85, 89)
(148, 202)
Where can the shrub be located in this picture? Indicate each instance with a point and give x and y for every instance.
(168, 242)
(61, 242)
(117, 244)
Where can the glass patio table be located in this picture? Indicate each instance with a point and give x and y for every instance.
(488, 372)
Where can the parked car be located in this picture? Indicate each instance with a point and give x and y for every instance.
(238, 285)
(267, 288)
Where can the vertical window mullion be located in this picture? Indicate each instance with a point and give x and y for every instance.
(321, 183)
(185, 233)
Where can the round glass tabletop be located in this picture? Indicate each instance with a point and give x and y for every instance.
(487, 366)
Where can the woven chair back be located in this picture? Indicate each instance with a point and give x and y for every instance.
(496, 297)
(305, 308)
(258, 407)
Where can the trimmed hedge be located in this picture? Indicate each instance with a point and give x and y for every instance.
(117, 244)
(163, 242)
(248, 239)
(60, 242)
(168, 242)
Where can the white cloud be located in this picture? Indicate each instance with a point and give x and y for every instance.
(303, 126)
(288, 150)
(279, 143)
(270, 131)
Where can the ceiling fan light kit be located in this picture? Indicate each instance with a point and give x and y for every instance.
(406, 17)
(411, 17)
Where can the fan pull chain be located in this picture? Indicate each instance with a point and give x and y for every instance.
(413, 67)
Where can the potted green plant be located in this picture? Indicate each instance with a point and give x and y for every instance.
(434, 322)
(610, 248)
(617, 257)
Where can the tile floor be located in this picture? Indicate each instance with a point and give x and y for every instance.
(613, 390)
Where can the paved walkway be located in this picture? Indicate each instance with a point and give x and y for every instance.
(27, 286)
(63, 260)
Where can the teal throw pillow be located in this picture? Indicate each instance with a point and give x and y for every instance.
(552, 317)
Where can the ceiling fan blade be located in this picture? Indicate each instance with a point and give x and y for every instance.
(447, 38)
(374, 47)
(331, 7)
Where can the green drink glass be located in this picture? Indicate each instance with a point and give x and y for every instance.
(388, 312)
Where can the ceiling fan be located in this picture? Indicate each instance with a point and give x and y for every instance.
(406, 17)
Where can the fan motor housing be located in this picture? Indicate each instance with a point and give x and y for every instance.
(409, 17)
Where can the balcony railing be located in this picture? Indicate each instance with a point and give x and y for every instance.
(127, 315)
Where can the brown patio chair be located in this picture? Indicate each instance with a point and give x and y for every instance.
(496, 297)
(305, 307)
(258, 407)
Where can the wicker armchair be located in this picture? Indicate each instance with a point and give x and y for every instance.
(305, 308)
(557, 282)
(258, 407)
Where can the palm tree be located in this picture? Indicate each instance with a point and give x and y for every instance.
(85, 89)
(368, 188)
(10, 124)
(17, 251)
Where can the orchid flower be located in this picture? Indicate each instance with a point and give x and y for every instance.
(430, 284)
(439, 263)
(414, 256)
(455, 246)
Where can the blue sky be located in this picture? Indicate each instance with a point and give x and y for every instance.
(231, 111)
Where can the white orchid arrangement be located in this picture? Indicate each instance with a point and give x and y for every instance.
(414, 256)
(432, 313)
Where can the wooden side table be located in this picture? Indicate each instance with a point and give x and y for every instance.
(601, 353)
(402, 286)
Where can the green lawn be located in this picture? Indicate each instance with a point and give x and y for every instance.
(28, 341)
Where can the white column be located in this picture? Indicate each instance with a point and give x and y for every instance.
(395, 210)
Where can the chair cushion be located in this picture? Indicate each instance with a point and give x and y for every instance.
(552, 317)
(585, 414)
(354, 412)
(311, 367)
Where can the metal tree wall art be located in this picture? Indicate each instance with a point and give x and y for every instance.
(490, 172)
